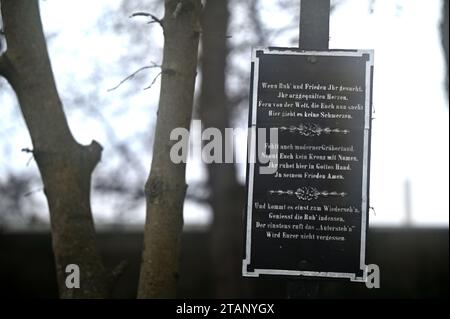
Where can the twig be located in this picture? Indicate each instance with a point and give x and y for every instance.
(33, 192)
(153, 82)
(29, 160)
(133, 75)
(27, 150)
(146, 14)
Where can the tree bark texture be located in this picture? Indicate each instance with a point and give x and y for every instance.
(65, 166)
(166, 186)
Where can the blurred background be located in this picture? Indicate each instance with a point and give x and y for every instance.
(94, 48)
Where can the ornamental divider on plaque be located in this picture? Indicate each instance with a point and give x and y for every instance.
(312, 129)
(307, 193)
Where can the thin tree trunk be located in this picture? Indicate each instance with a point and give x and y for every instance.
(166, 186)
(65, 165)
(227, 195)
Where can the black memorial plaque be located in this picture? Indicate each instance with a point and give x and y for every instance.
(309, 217)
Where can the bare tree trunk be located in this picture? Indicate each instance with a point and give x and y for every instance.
(166, 186)
(65, 165)
(227, 195)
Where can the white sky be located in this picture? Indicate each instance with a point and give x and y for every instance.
(411, 129)
(410, 132)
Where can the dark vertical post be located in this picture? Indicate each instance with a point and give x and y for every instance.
(314, 24)
(314, 35)
(408, 209)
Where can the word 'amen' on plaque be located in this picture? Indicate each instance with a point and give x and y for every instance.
(308, 165)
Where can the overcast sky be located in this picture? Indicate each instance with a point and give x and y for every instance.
(410, 130)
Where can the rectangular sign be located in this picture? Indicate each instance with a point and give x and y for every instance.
(308, 164)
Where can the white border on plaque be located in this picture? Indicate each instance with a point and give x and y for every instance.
(252, 161)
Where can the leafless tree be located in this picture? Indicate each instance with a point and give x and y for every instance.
(65, 165)
(166, 187)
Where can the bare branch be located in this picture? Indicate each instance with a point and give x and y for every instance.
(132, 75)
(154, 19)
(40, 189)
(27, 150)
(153, 82)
